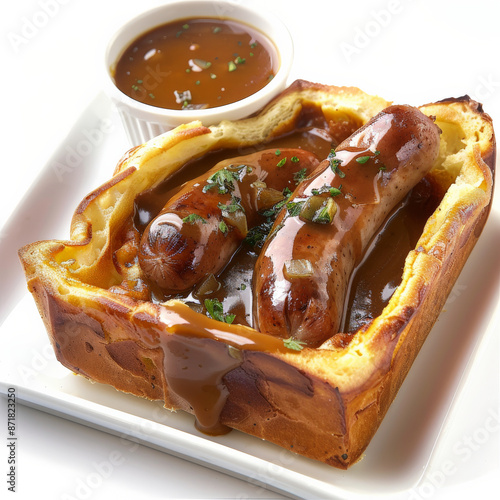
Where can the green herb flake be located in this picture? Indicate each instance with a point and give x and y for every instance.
(336, 169)
(258, 234)
(300, 176)
(363, 159)
(192, 218)
(240, 60)
(217, 29)
(295, 345)
(151, 95)
(332, 191)
(294, 208)
(295, 159)
(253, 45)
(277, 152)
(139, 82)
(334, 164)
(223, 227)
(216, 311)
(225, 178)
(185, 26)
(243, 286)
(231, 66)
(231, 207)
(281, 163)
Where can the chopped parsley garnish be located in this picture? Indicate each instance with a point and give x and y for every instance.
(281, 163)
(295, 159)
(225, 178)
(300, 175)
(258, 234)
(334, 164)
(192, 218)
(277, 152)
(363, 159)
(295, 345)
(222, 227)
(232, 207)
(216, 311)
(294, 208)
(272, 212)
(333, 191)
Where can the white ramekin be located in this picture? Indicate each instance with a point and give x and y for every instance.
(142, 121)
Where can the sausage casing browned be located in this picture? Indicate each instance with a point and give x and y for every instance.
(302, 273)
(201, 227)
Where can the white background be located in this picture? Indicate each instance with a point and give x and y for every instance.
(52, 64)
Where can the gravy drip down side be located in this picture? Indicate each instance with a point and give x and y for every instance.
(301, 276)
(202, 226)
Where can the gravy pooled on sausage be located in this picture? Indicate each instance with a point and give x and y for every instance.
(201, 227)
(302, 274)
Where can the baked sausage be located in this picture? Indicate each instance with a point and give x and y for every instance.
(201, 227)
(302, 273)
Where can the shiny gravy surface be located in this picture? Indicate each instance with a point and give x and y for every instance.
(374, 280)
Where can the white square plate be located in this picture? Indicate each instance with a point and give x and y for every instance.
(398, 455)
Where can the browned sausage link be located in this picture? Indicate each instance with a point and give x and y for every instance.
(200, 228)
(302, 273)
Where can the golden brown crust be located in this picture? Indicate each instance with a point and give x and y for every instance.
(323, 403)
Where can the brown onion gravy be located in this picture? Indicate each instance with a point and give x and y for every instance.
(196, 63)
(372, 283)
(195, 359)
